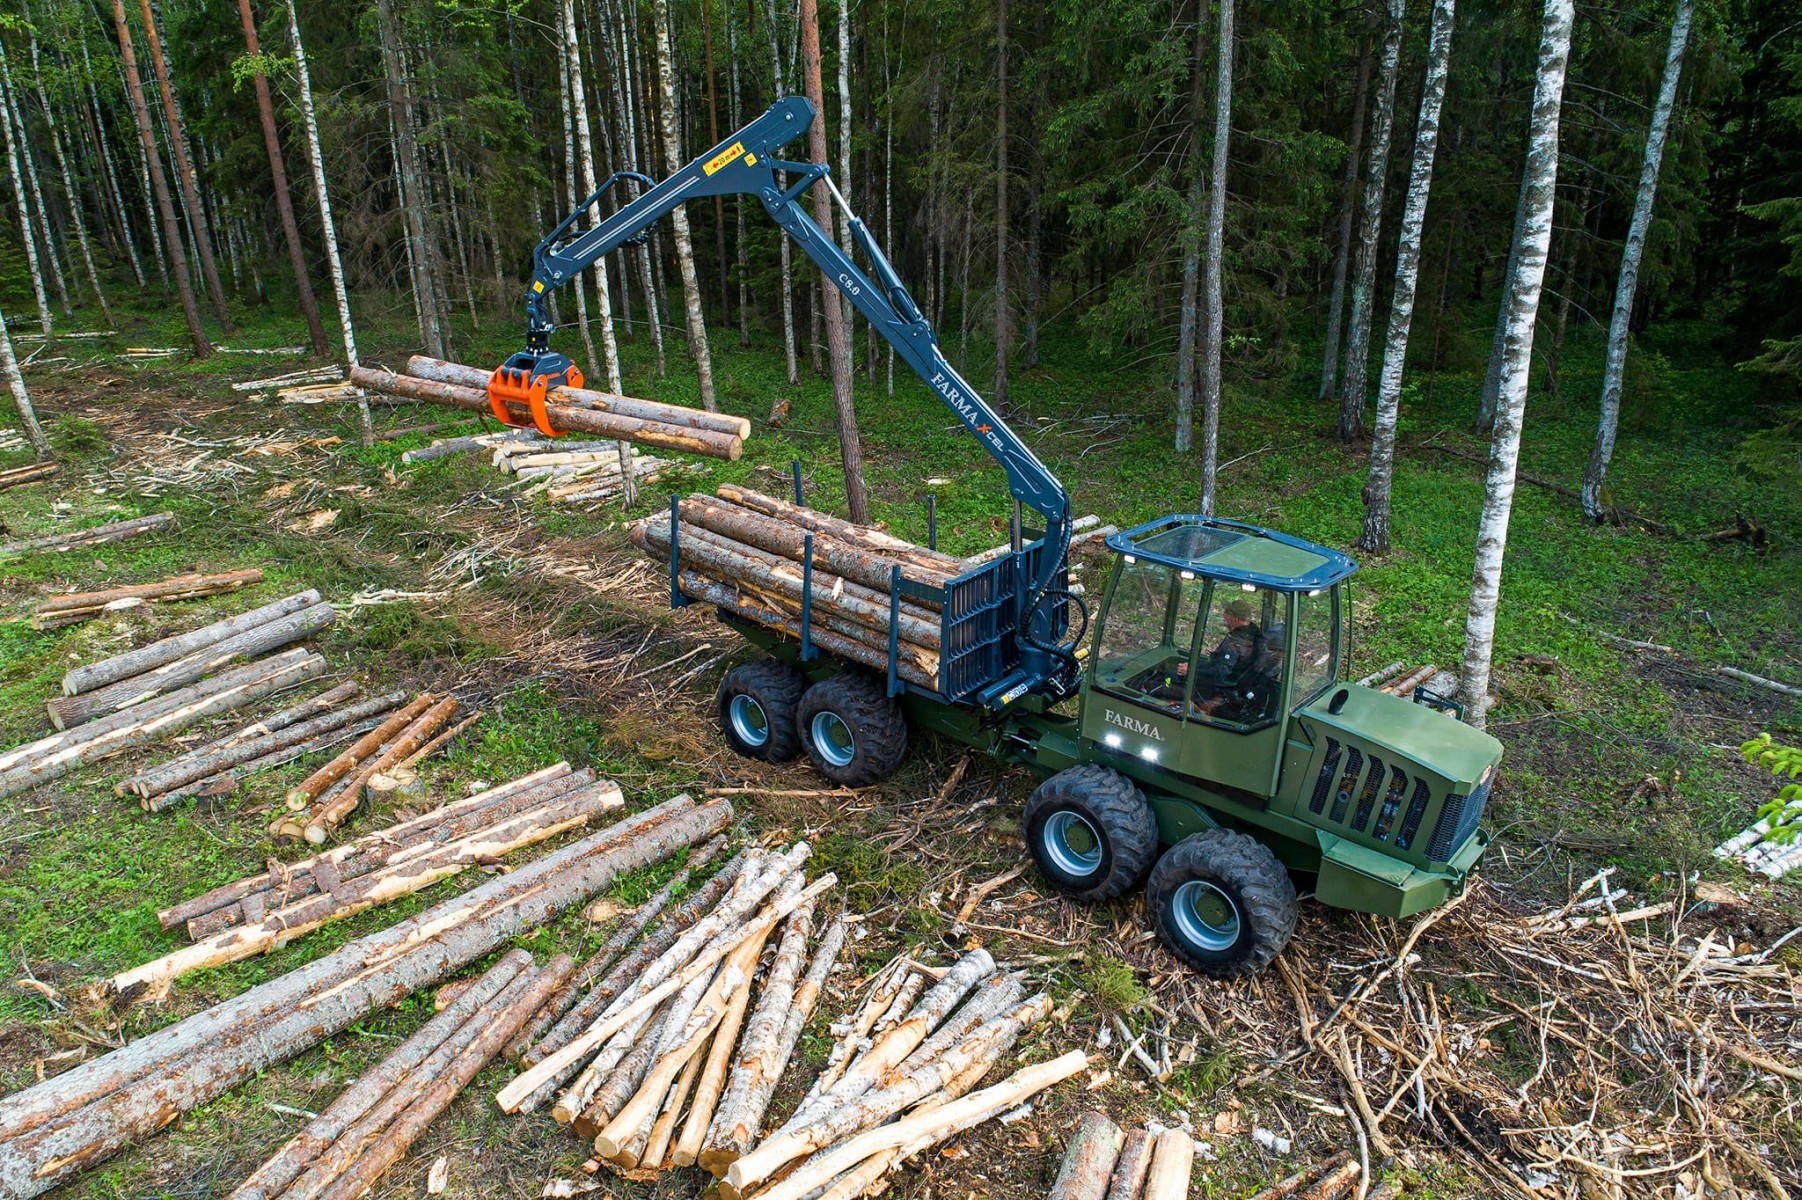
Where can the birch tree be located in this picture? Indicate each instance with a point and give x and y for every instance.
(15, 380)
(1370, 227)
(406, 168)
(1492, 375)
(112, 175)
(328, 230)
(1348, 210)
(157, 184)
(1002, 331)
(1407, 278)
(1498, 493)
(186, 178)
(27, 236)
(1188, 337)
(68, 176)
(1213, 318)
(838, 349)
(1595, 476)
(685, 250)
(9, 95)
(788, 268)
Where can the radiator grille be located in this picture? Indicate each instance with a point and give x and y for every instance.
(1354, 763)
(1458, 819)
(1324, 784)
(1373, 783)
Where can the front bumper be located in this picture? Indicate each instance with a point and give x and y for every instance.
(1363, 880)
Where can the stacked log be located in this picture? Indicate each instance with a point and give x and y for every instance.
(52, 757)
(112, 531)
(114, 684)
(666, 1045)
(475, 834)
(72, 1121)
(341, 1152)
(1102, 1163)
(579, 472)
(31, 473)
(642, 422)
(76, 607)
(368, 768)
(744, 552)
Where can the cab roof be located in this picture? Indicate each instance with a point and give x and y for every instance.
(1221, 549)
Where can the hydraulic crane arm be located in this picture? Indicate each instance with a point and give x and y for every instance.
(747, 163)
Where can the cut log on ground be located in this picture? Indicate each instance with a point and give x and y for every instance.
(96, 675)
(112, 532)
(365, 748)
(1089, 1160)
(51, 1131)
(1131, 1168)
(335, 807)
(1172, 1157)
(76, 607)
(18, 476)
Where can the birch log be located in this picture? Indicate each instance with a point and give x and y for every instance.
(1172, 1157)
(626, 406)
(1088, 1161)
(145, 658)
(1131, 1168)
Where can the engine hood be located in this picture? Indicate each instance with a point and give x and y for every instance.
(1407, 731)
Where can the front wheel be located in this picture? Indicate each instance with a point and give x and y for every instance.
(1222, 903)
(1091, 832)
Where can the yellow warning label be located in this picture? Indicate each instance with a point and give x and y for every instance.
(750, 160)
(538, 285)
(725, 156)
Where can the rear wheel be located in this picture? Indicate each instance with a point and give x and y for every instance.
(757, 705)
(852, 729)
(1222, 903)
(1091, 832)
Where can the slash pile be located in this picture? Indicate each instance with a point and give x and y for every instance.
(269, 910)
(50, 1131)
(342, 1151)
(657, 1053)
(380, 761)
(899, 1073)
(76, 607)
(744, 551)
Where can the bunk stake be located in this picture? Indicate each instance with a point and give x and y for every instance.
(807, 650)
(895, 686)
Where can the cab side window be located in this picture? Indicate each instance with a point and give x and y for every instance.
(1142, 651)
(1239, 671)
(1317, 643)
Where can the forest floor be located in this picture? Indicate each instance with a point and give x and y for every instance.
(1614, 757)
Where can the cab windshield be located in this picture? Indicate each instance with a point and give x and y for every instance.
(1147, 638)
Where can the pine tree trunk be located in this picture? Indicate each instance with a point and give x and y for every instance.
(838, 348)
(14, 114)
(685, 251)
(158, 186)
(15, 381)
(1407, 279)
(27, 235)
(1003, 335)
(1498, 492)
(157, 237)
(1188, 338)
(69, 192)
(112, 174)
(185, 177)
(412, 199)
(788, 268)
(1370, 225)
(1212, 317)
(713, 132)
(1595, 507)
(738, 202)
(1348, 208)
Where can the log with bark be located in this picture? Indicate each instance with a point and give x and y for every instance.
(113, 531)
(1132, 1166)
(31, 473)
(1172, 1157)
(71, 710)
(345, 766)
(92, 676)
(563, 417)
(646, 410)
(53, 757)
(334, 808)
(400, 876)
(1089, 1160)
(51, 1131)
(76, 607)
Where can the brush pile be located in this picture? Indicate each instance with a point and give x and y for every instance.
(69, 1122)
(656, 1050)
(75, 607)
(1102, 1163)
(570, 410)
(112, 685)
(745, 552)
(376, 766)
(271, 909)
(112, 531)
(344, 1150)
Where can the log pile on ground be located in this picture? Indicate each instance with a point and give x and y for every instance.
(370, 1126)
(376, 766)
(152, 720)
(570, 410)
(745, 551)
(76, 607)
(273, 909)
(115, 684)
(291, 379)
(72, 1121)
(656, 1046)
(14, 477)
(112, 531)
(579, 472)
(1102, 1163)
(898, 1082)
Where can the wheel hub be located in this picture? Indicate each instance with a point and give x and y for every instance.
(1072, 844)
(749, 721)
(1205, 916)
(833, 739)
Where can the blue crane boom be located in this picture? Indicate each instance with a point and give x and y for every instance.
(747, 163)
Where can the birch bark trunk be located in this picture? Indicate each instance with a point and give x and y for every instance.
(1212, 317)
(1407, 279)
(186, 178)
(1595, 476)
(1370, 226)
(10, 94)
(838, 348)
(1188, 348)
(158, 185)
(1492, 377)
(112, 174)
(73, 196)
(685, 250)
(1498, 497)
(788, 269)
(27, 235)
(15, 381)
(1335, 320)
(412, 200)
